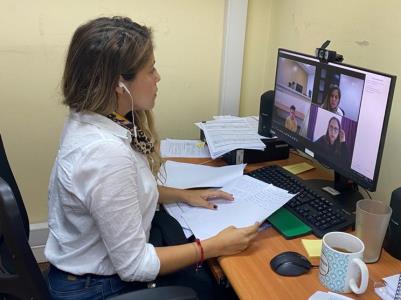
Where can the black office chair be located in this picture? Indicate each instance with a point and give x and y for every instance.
(20, 276)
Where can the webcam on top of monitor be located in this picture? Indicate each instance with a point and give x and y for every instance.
(326, 55)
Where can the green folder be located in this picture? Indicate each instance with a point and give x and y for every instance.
(288, 224)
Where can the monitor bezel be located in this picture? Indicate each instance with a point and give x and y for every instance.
(363, 181)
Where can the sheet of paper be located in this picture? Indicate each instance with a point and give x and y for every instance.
(253, 202)
(298, 168)
(183, 148)
(312, 247)
(176, 210)
(319, 295)
(184, 175)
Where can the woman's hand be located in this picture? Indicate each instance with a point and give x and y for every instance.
(201, 198)
(233, 240)
(342, 136)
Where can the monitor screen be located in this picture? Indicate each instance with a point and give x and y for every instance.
(335, 112)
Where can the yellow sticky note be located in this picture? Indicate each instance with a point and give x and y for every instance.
(312, 247)
(298, 168)
(200, 144)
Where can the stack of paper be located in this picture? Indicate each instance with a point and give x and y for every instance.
(184, 175)
(254, 201)
(229, 133)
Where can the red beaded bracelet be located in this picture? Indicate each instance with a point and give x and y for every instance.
(202, 256)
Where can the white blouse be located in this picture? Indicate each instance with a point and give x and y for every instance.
(102, 199)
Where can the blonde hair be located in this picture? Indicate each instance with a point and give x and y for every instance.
(145, 121)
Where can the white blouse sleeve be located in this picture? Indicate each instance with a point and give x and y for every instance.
(105, 178)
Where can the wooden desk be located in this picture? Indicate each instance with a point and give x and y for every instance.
(251, 276)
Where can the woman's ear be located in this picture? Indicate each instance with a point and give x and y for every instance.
(119, 90)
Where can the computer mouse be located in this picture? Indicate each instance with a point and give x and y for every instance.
(290, 264)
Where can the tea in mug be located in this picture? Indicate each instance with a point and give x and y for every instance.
(343, 250)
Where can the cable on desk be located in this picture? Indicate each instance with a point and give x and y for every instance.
(367, 193)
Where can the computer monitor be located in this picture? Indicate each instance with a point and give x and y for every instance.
(339, 115)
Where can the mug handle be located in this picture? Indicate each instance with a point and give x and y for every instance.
(364, 277)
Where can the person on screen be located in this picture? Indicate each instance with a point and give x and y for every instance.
(291, 121)
(333, 142)
(103, 192)
(332, 100)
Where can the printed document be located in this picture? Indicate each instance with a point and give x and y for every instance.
(254, 201)
(183, 148)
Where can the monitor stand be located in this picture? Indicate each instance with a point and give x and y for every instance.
(348, 191)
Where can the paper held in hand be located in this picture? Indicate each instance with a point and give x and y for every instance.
(254, 201)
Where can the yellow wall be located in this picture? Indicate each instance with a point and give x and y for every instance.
(366, 32)
(256, 55)
(34, 36)
(188, 36)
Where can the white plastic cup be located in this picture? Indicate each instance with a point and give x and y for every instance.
(372, 218)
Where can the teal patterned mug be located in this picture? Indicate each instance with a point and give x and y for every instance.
(341, 263)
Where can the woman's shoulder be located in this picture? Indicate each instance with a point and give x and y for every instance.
(322, 139)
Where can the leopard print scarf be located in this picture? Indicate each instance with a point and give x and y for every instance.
(141, 143)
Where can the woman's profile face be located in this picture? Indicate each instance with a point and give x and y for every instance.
(144, 87)
(334, 99)
(334, 130)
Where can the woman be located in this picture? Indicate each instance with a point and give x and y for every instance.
(333, 142)
(102, 191)
(332, 101)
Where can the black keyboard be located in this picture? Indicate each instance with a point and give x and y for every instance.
(315, 208)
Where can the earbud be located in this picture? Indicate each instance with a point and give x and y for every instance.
(122, 85)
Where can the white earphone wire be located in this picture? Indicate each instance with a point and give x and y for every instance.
(132, 106)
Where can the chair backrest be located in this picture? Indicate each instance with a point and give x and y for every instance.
(8, 176)
(20, 275)
(24, 280)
